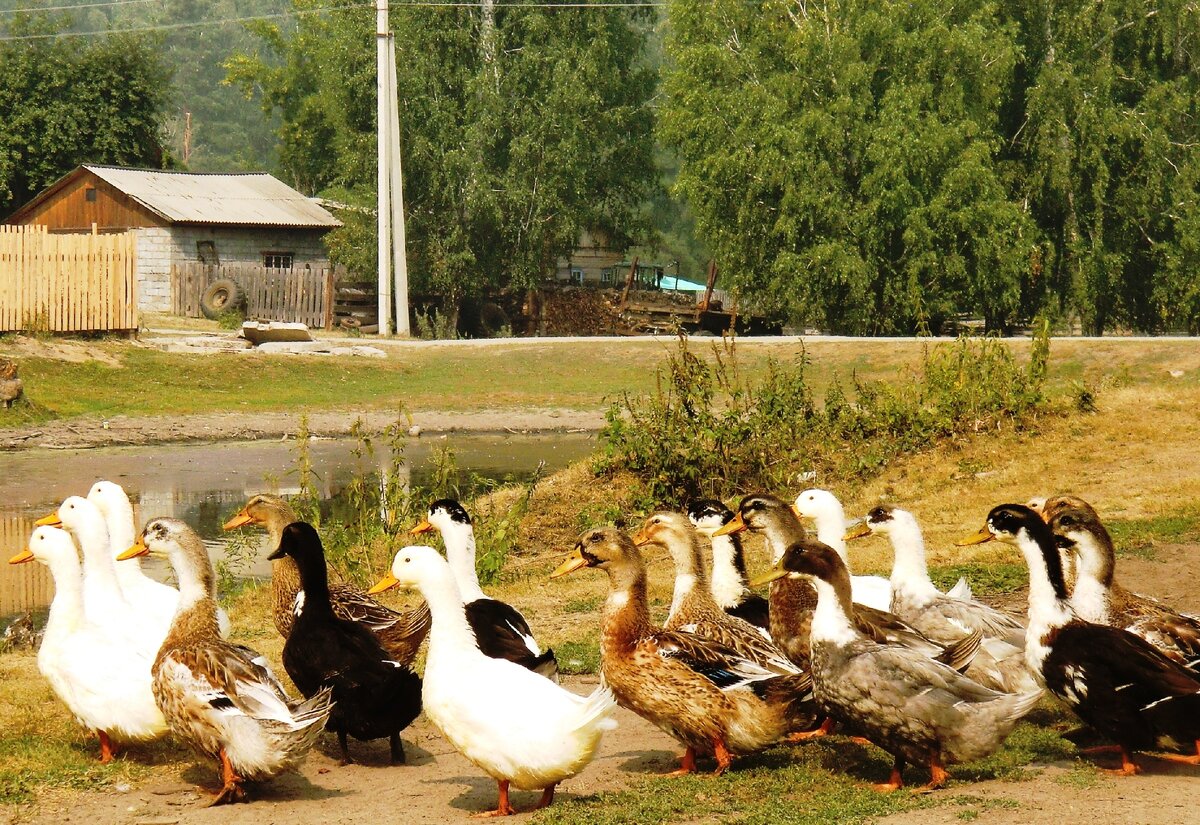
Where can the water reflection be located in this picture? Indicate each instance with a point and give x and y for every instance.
(203, 484)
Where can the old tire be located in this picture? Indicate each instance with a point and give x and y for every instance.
(222, 296)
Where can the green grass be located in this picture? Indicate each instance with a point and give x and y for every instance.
(985, 579)
(1137, 537)
(577, 658)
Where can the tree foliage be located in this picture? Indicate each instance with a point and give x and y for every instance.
(513, 137)
(875, 166)
(65, 101)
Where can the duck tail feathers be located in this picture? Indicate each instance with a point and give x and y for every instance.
(597, 709)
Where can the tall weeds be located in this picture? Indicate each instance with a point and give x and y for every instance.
(369, 519)
(708, 431)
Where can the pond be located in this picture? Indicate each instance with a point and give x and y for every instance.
(204, 484)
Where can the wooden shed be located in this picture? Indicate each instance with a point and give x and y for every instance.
(250, 219)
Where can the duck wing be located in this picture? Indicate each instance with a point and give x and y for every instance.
(229, 679)
(721, 665)
(501, 632)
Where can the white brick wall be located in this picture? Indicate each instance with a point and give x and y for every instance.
(159, 247)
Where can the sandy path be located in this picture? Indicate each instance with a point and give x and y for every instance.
(437, 785)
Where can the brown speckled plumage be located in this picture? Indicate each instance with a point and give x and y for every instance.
(219, 697)
(697, 690)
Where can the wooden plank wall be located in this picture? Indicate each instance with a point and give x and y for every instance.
(295, 295)
(67, 282)
(22, 586)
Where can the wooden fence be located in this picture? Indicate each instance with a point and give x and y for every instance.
(67, 282)
(303, 295)
(24, 586)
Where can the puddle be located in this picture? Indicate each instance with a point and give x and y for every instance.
(204, 484)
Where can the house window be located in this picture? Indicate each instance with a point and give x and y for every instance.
(206, 251)
(89, 194)
(277, 260)
(606, 275)
(576, 275)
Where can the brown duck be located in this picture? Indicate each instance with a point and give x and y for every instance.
(697, 690)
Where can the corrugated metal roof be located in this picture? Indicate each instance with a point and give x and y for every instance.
(254, 199)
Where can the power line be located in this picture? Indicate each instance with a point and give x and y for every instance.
(78, 6)
(634, 4)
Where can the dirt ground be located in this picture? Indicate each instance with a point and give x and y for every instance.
(438, 785)
(123, 431)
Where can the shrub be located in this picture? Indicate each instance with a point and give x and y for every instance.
(706, 431)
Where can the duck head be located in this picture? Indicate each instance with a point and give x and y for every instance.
(262, 510)
(414, 566)
(809, 558)
(47, 544)
(820, 506)
(603, 548)
(444, 515)
(708, 515)
(1018, 525)
(1077, 529)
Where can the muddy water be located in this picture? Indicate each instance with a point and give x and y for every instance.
(204, 484)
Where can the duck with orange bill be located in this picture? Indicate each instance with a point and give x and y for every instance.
(1117, 683)
(520, 728)
(919, 710)
(400, 632)
(705, 694)
(222, 698)
(500, 630)
(728, 582)
(102, 679)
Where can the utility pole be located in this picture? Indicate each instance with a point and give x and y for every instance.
(383, 143)
(399, 247)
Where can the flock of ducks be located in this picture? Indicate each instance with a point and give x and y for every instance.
(932, 678)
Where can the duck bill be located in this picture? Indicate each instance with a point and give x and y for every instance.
(423, 527)
(735, 525)
(776, 572)
(386, 583)
(641, 538)
(978, 538)
(573, 563)
(22, 557)
(857, 532)
(139, 548)
(241, 519)
(51, 520)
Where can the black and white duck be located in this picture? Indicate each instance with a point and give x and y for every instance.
(1115, 681)
(374, 696)
(728, 580)
(499, 628)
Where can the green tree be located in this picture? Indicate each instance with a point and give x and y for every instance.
(515, 134)
(67, 101)
(842, 160)
(1109, 138)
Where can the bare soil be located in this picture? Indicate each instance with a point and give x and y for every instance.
(125, 431)
(436, 785)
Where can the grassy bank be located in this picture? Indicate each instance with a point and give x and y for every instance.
(67, 379)
(1133, 457)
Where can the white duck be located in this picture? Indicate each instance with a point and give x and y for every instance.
(946, 619)
(826, 512)
(103, 602)
(517, 726)
(103, 680)
(155, 598)
(144, 594)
